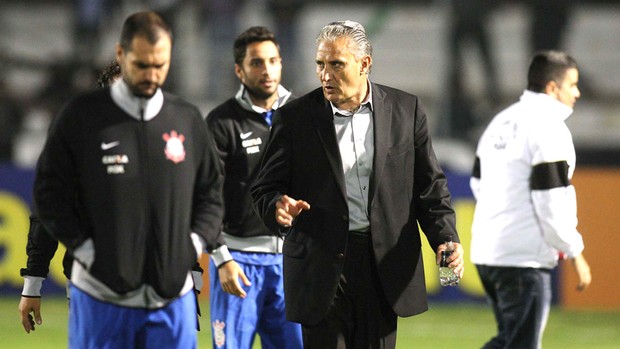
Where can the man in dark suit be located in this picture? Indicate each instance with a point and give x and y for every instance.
(348, 174)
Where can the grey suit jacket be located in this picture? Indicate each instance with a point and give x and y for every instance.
(408, 187)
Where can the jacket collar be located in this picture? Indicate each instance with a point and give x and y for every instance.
(382, 119)
(131, 104)
(547, 104)
(244, 100)
(366, 102)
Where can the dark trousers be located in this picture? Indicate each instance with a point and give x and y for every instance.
(520, 298)
(360, 316)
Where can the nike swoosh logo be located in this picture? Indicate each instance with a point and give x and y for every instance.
(106, 146)
(245, 135)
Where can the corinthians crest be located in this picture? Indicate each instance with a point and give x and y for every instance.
(175, 151)
(219, 337)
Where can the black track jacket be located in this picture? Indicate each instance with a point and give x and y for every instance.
(141, 188)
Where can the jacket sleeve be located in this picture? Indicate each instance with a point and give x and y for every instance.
(55, 187)
(552, 193)
(273, 175)
(432, 197)
(222, 144)
(220, 139)
(40, 249)
(208, 207)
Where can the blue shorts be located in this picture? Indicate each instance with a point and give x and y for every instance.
(235, 321)
(94, 324)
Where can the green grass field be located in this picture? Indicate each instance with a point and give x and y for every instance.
(444, 326)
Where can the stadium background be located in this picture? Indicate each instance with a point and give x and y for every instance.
(410, 40)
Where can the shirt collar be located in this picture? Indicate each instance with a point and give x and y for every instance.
(243, 97)
(131, 104)
(366, 103)
(550, 104)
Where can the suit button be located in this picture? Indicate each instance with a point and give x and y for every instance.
(340, 255)
(345, 218)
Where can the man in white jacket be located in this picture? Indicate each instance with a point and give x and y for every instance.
(526, 210)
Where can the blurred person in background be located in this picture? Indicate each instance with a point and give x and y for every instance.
(285, 15)
(89, 20)
(468, 29)
(11, 120)
(526, 210)
(222, 22)
(253, 253)
(550, 21)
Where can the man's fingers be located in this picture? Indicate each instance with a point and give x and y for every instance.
(238, 290)
(26, 307)
(230, 274)
(235, 289)
(292, 206)
(284, 221)
(245, 279)
(282, 215)
(241, 293)
(28, 323)
(583, 284)
(37, 317)
(302, 205)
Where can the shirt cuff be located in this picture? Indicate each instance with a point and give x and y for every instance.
(573, 253)
(221, 255)
(199, 243)
(32, 286)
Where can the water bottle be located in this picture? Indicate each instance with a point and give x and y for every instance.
(447, 275)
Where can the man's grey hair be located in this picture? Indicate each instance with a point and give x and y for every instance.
(358, 41)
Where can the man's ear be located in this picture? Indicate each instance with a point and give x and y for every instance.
(119, 52)
(238, 71)
(366, 62)
(551, 87)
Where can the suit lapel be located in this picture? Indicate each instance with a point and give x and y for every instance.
(382, 122)
(324, 124)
